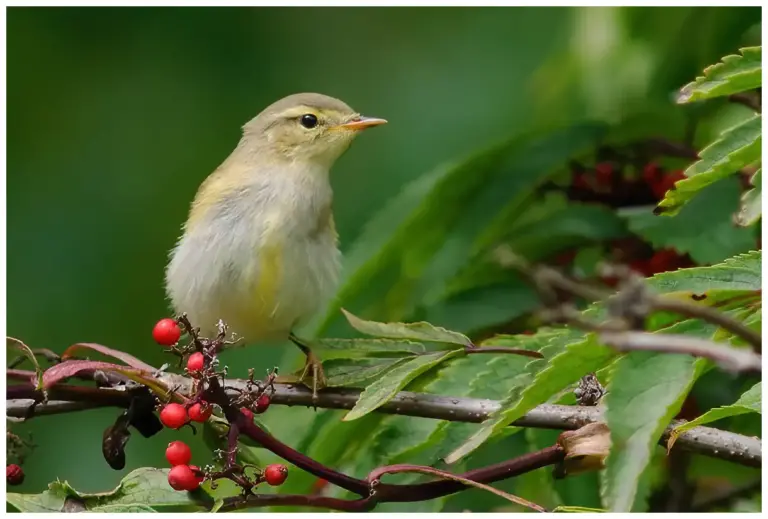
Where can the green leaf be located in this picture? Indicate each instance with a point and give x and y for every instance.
(350, 372)
(381, 391)
(347, 348)
(751, 201)
(736, 148)
(749, 402)
(417, 331)
(740, 273)
(575, 359)
(648, 389)
(734, 74)
(710, 213)
(578, 509)
(142, 487)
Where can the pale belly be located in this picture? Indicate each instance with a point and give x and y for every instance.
(260, 291)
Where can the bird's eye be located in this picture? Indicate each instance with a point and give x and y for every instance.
(308, 120)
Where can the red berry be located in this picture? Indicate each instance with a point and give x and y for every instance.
(174, 416)
(247, 412)
(166, 332)
(651, 173)
(276, 474)
(14, 475)
(200, 412)
(262, 404)
(579, 181)
(182, 477)
(195, 362)
(178, 453)
(199, 477)
(604, 173)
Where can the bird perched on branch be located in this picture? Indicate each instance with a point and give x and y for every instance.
(259, 248)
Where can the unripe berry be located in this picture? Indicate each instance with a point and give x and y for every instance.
(14, 475)
(247, 412)
(262, 404)
(182, 477)
(276, 474)
(178, 453)
(195, 362)
(200, 412)
(174, 416)
(166, 332)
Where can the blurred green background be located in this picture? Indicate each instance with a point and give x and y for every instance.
(116, 115)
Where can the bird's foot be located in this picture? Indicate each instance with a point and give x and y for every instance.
(313, 369)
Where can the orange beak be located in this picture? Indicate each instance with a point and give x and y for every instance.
(361, 123)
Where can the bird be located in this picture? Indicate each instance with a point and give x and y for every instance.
(259, 249)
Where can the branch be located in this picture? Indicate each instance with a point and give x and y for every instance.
(733, 359)
(703, 440)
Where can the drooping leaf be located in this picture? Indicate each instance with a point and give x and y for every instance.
(18, 345)
(749, 402)
(130, 360)
(735, 149)
(648, 389)
(751, 201)
(143, 488)
(735, 73)
(709, 213)
(71, 368)
(383, 389)
(415, 331)
(351, 372)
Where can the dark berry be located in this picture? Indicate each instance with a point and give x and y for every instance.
(195, 362)
(262, 404)
(276, 474)
(14, 475)
(200, 412)
(174, 416)
(178, 453)
(166, 332)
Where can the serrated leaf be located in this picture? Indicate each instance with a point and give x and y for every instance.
(18, 345)
(736, 148)
(648, 391)
(749, 402)
(347, 348)
(350, 372)
(740, 273)
(735, 73)
(422, 331)
(140, 487)
(383, 389)
(577, 358)
(710, 213)
(751, 201)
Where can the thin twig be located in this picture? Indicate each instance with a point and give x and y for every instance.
(732, 359)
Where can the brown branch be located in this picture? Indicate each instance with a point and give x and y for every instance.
(703, 440)
(749, 99)
(732, 359)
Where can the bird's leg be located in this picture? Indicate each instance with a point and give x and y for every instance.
(312, 365)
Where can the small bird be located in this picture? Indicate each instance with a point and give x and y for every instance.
(259, 249)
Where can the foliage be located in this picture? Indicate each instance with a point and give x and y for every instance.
(424, 284)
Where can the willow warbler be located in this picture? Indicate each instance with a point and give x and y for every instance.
(259, 249)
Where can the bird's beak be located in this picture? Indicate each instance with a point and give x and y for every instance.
(361, 123)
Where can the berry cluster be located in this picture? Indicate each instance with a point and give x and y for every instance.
(201, 362)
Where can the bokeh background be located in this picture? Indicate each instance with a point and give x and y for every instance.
(116, 115)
